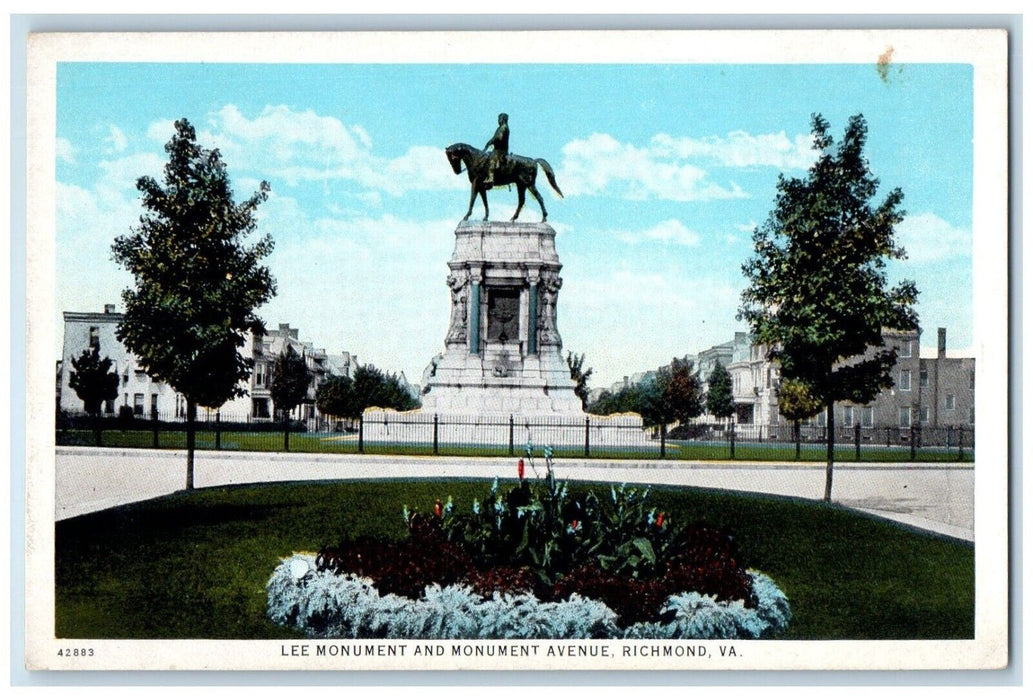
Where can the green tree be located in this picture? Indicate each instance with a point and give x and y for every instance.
(797, 403)
(818, 295)
(335, 397)
(372, 387)
(678, 394)
(290, 382)
(719, 393)
(576, 364)
(198, 280)
(94, 383)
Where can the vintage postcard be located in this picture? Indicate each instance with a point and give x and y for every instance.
(614, 350)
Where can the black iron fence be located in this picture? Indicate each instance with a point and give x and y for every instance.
(592, 437)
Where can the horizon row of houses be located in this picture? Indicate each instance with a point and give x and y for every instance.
(934, 391)
(149, 398)
(937, 391)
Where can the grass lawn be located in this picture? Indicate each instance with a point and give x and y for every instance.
(194, 565)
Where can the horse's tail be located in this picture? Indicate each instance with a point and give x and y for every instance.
(549, 174)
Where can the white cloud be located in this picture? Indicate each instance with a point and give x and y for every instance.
(741, 150)
(65, 151)
(116, 140)
(302, 146)
(669, 231)
(601, 164)
(928, 238)
(161, 131)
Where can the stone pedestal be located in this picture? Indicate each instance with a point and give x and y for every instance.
(502, 379)
(503, 351)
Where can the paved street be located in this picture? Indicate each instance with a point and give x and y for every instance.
(932, 497)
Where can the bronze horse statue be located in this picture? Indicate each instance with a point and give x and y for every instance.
(513, 170)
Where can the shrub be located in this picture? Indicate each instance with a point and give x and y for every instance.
(327, 605)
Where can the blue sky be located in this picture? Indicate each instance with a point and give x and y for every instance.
(666, 170)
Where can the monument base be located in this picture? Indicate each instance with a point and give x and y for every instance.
(421, 428)
(500, 382)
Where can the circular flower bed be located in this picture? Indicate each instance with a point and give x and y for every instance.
(532, 562)
(327, 605)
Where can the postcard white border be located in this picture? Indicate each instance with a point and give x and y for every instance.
(985, 50)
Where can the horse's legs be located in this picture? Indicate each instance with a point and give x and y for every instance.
(541, 203)
(484, 198)
(520, 201)
(473, 198)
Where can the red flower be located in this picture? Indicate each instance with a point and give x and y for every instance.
(437, 508)
(574, 524)
(660, 519)
(520, 469)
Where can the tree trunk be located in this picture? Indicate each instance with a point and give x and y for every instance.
(830, 445)
(796, 437)
(97, 439)
(191, 418)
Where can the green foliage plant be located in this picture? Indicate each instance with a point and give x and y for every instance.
(797, 403)
(335, 397)
(291, 379)
(720, 403)
(817, 293)
(94, 382)
(372, 387)
(198, 281)
(538, 525)
(580, 375)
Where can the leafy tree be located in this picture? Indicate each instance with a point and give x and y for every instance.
(198, 280)
(94, 383)
(719, 393)
(818, 295)
(291, 380)
(372, 387)
(629, 399)
(93, 380)
(336, 397)
(797, 403)
(678, 395)
(576, 364)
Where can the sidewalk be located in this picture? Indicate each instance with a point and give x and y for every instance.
(933, 497)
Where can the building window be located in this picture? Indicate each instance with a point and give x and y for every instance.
(950, 402)
(924, 415)
(137, 404)
(923, 378)
(904, 416)
(905, 349)
(905, 380)
(848, 416)
(260, 408)
(109, 406)
(868, 416)
(260, 375)
(94, 336)
(154, 405)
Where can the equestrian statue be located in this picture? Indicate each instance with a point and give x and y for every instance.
(494, 168)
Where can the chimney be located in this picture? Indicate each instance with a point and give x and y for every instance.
(941, 343)
(109, 308)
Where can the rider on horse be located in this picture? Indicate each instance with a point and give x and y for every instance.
(500, 148)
